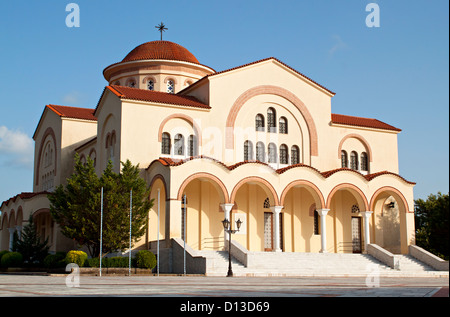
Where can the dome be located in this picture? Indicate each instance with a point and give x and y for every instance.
(161, 50)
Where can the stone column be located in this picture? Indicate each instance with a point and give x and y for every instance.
(227, 212)
(366, 215)
(276, 223)
(323, 229)
(11, 237)
(19, 231)
(173, 220)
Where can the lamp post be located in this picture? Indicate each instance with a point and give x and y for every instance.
(227, 227)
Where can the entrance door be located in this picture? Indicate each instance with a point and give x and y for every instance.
(268, 233)
(356, 234)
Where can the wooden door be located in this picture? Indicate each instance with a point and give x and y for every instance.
(356, 234)
(268, 231)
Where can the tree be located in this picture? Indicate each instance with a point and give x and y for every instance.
(432, 224)
(76, 206)
(32, 247)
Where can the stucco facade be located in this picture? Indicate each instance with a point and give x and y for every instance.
(258, 143)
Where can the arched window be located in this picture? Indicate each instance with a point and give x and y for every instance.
(170, 87)
(272, 152)
(131, 83)
(355, 209)
(93, 156)
(260, 152)
(150, 85)
(192, 146)
(110, 145)
(364, 162)
(271, 120)
(179, 145)
(165, 145)
(316, 223)
(266, 203)
(283, 125)
(248, 151)
(354, 161)
(344, 159)
(295, 155)
(284, 157)
(259, 122)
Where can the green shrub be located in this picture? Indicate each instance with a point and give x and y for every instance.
(77, 257)
(145, 259)
(93, 262)
(2, 253)
(12, 259)
(55, 260)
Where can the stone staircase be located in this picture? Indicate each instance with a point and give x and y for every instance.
(410, 264)
(310, 264)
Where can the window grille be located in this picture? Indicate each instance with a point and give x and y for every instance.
(165, 146)
(272, 153)
(283, 154)
(259, 122)
(248, 151)
(295, 155)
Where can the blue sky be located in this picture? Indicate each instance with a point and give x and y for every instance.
(397, 73)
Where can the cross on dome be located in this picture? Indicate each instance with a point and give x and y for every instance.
(161, 28)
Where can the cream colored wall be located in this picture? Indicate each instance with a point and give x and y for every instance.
(53, 121)
(139, 141)
(382, 143)
(226, 88)
(109, 118)
(74, 134)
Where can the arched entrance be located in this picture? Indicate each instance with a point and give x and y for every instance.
(201, 217)
(391, 220)
(347, 204)
(259, 209)
(301, 200)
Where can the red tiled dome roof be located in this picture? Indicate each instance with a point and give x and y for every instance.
(161, 50)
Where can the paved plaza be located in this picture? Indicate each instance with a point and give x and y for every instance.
(213, 287)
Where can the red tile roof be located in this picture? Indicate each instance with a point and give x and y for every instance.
(167, 161)
(361, 122)
(22, 196)
(156, 96)
(161, 50)
(73, 112)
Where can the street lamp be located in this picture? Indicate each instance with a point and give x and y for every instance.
(227, 227)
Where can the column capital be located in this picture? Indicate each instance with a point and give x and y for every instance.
(226, 207)
(366, 213)
(323, 212)
(276, 209)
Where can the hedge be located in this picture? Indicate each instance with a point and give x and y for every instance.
(145, 259)
(12, 259)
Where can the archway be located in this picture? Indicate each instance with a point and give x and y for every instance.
(156, 223)
(392, 228)
(257, 207)
(301, 199)
(201, 218)
(345, 225)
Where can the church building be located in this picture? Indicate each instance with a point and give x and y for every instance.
(257, 143)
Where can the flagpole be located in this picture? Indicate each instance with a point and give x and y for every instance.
(158, 233)
(129, 256)
(184, 238)
(101, 231)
